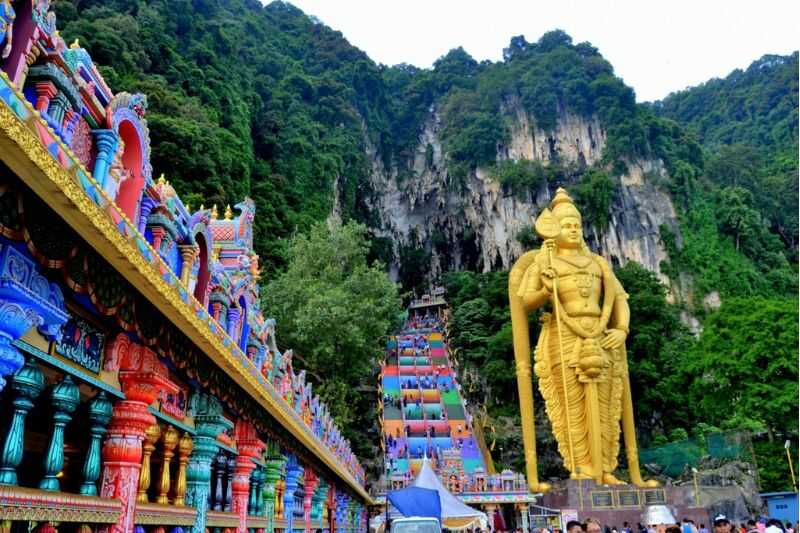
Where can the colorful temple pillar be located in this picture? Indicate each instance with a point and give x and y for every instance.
(274, 462)
(341, 510)
(185, 448)
(64, 399)
(27, 384)
(318, 503)
(255, 501)
(310, 482)
(100, 411)
(280, 488)
(351, 511)
(106, 142)
(142, 376)
(294, 472)
(330, 507)
(250, 448)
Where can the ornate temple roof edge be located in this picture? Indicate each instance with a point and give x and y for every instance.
(64, 191)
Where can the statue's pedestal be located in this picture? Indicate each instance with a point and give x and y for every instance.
(612, 505)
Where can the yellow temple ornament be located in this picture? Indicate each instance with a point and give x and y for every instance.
(214, 212)
(75, 44)
(228, 212)
(580, 359)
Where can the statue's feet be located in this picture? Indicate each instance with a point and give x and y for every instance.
(611, 479)
(540, 487)
(582, 472)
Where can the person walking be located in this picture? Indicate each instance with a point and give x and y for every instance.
(593, 526)
(722, 524)
(573, 526)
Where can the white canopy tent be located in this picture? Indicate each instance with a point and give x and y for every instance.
(455, 513)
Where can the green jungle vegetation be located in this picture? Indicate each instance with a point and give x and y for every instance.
(245, 99)
(334, 308)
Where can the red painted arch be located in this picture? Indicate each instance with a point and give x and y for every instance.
(130, 190)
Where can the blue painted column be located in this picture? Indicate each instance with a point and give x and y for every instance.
(100, 411)
(145, 208)
(233, 322)
(294, 472)
(341, 510)
(106, 142)
(27, 299)
(28, 383)
(64, 398)
(318, 501)
(209, 422)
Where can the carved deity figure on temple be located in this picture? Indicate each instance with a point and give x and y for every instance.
(7, 16)
(580, 358)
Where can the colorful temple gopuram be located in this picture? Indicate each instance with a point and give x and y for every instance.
(425, 415)
(141, 387)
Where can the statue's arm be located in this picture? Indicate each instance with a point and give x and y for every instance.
(617, 331)
(533, 293)
(621, 313)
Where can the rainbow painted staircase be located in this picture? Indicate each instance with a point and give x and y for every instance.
(424, 413)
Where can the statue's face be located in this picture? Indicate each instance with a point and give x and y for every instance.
(571, 235)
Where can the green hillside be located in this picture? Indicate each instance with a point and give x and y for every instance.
(748, 124)
(266, 101)
(756, 106)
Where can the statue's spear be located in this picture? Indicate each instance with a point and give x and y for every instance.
(548, 227)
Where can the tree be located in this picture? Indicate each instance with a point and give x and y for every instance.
(335, 311)
(745, 365)
(739, 219)
(593, 195)
(656, 347)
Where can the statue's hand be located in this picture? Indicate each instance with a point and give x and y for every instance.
(6, 51)
(614, 339)
(548, 274)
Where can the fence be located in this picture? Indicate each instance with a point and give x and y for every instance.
(673, 458)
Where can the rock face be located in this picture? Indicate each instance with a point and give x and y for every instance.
(475, 223)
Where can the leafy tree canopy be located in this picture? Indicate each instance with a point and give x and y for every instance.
(335, 310)
(757, 106)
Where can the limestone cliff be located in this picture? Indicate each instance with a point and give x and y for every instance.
(474, 223)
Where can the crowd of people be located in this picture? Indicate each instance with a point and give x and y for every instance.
(428, 321)
(721, 524)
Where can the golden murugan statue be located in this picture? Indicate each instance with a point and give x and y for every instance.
(580, 358)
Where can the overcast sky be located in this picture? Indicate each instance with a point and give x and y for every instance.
(656, 47)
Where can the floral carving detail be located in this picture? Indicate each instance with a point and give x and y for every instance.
(82, 143)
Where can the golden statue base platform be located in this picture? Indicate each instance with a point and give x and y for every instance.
(613, 505)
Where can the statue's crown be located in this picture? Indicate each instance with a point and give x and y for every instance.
(562, 205)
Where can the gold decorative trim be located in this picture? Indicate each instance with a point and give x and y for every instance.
(25, 155)
(154, 514)
(18, 503)
(221, 519)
